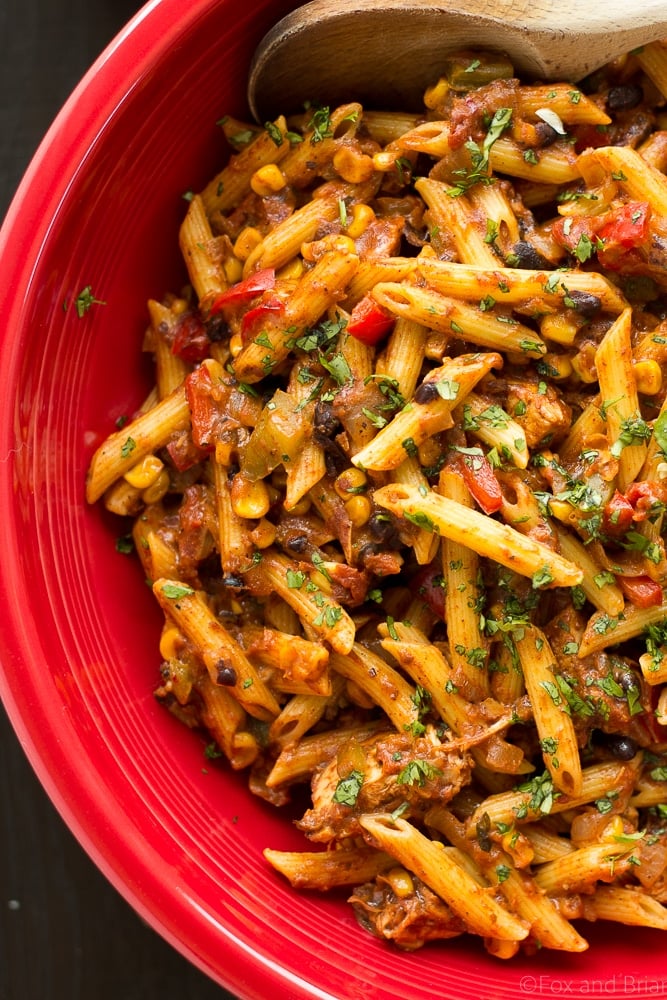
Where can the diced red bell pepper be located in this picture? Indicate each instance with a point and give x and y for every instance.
(191, 342)
(369, 322)
(428, 584)
(481, 481)
(256, 317)
(617, 516)
(641, 591)
(246, 290)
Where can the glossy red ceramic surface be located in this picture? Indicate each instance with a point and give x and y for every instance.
(180, 837)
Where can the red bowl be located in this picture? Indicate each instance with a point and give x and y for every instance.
(180, 838)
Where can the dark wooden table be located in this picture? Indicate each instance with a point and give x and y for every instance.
(65, 933)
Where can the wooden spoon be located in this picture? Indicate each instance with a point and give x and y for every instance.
(386, 52)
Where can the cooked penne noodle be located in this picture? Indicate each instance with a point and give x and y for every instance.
(434, 866)
(224, 659)
(330, 869)
(145, 434)
(601, 591)
(196, 241)
(618, 390)
(468, 648)
(577, 870)
(597, 781)
(481, 326)
(558, 739)
(519, 287)
(625, 905)
(488, 537)
(228, 187)
(445, 387)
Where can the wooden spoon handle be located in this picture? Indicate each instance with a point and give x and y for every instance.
(386, 52)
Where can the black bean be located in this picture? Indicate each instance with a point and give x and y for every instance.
(426, 392)
(217, 328)
(225, 673)
(546, 135)
(618, 744)
(624, 97)
(528, 257)
(623, 747)
(384, 530)
(585, 303)
(325, 420)
(335, 459)
(232, 581)
(297, 543)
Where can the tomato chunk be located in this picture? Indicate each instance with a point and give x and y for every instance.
(369, 322)
(481, 481)
(191, 341)
(641, 591)
(618, 516)
(625, 227)
(206, 401)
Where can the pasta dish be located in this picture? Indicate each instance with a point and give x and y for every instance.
(400, 490)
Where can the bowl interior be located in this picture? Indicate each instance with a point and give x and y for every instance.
(179, 836)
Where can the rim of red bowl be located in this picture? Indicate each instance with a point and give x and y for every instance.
(225, 945)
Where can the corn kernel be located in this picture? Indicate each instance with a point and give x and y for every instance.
(350, 481)
(249, 499)
(267, 180)
(385, 160)
(233, 268)
(264, 534)
(157, 490)
(358, 510)
(429, 452)
(302, 506)
(558, 366)
(279, 478)
(352, 165)
(144, 473)
(361, 218)
(179, 306)
(560, 327)
(170, 640)
(436, 95)
(235, 344)
(648, 376)
(291, 271)
(246, 241)
(335, 242)
(401, 882)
